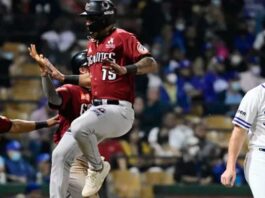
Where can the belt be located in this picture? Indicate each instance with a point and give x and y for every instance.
(97, 102)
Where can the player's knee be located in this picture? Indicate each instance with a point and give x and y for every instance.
(78, 130)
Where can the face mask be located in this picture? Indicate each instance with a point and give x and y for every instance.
(7, 55)
(236, 59)
(235, 86)
(155, 52)
(180, 26)
(255, 70)
(2, 162)
(216, 2)
(172, 78)
(193, 150)
(15, 155)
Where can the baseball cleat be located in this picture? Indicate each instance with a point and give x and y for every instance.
(94, 180)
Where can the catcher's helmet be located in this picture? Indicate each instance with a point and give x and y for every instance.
(79, 60)
(102, 13)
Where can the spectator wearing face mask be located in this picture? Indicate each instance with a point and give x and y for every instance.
(252, 77)
(17, 168)
(168, 89)
(185, 88)
(233, 96)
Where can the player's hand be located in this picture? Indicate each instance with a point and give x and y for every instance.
(53, 121)
(228, 178)
(53, 71)
(115, 68)
(39, 59)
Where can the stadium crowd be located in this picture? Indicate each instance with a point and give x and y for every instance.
(210, 52)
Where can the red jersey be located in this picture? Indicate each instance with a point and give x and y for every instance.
(75, 101)
(123, 48)
(5, 124)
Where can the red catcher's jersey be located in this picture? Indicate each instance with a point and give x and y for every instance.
(5, 124)
(123, 48)
(75, 101)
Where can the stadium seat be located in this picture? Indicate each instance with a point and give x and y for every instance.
(12, 47)
(219, 129)
(218, 122)
(26, 90)
(12, 111)
(126, 184)
(158, 178)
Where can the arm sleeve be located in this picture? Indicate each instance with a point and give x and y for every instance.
(133, 49)
(50, 92)
(247, 110)
(5, 124)
(66, 95)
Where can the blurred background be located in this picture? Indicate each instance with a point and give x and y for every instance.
(210, 53)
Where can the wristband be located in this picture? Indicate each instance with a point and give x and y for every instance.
(40, 125)
(131, 69)
(71, 79)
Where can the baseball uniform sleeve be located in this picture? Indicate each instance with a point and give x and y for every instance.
(5, 124)
(65, 94)
(247, 110)
(133, 49)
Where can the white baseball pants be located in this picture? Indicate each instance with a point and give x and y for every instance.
(95, 125)
(254, 169)
(78, 172)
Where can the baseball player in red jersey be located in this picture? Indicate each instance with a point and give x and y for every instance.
(115, 56)
(71, 101)
(24, 126)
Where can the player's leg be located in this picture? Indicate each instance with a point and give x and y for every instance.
(255, 172)
(62, 158)
(100, 122)
(77, 178)
(106, 121)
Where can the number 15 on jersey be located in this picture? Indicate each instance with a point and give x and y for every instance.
(108, 75)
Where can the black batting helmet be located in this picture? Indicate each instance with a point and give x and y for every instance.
(101, 12)
(79, 60)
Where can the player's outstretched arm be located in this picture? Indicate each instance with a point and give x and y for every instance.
(82, 80)
(235, 144)
(50, 92)
(24, 126)
(143, 66)
(39, 59)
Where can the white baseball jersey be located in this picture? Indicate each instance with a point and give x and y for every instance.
(251, 116)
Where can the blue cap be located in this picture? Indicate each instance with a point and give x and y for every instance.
(43, 157)
(13, 145)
